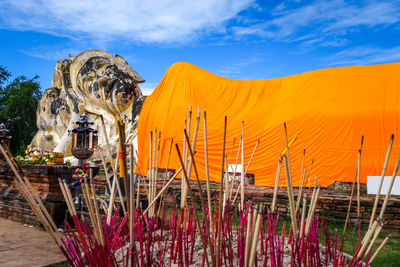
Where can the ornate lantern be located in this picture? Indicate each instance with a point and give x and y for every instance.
(4, 138)
(84, 139)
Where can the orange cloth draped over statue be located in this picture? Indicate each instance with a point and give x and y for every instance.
(328, 109)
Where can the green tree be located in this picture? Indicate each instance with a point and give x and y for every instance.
(18, 103)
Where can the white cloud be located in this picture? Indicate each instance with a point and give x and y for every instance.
(234, 70)
(134, 20)
(364, 55)
(147, 87)
(50, 53)
(322, 22)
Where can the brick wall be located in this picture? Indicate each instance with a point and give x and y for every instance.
(44, 180)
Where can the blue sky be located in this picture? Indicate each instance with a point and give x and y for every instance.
(241, 39)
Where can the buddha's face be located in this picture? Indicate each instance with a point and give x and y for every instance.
(104, 81)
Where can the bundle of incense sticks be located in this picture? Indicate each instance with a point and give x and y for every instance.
(229, 235)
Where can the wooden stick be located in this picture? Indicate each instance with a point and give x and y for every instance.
(153, 174)
(220, 193)
(252, 155)
(201, 195)
(290, 196)
(376, 234)
(289, 184)
(169, 158)
(255, 238)
(105, 169)
(383, 209)
(107, 141)
(183, 182)
(92, 216)
(97, 214)
(349, 206)
(379, 248)
(156, 169)
(358, 178)
(116, 178)
(37, 211)
(245, 173)
(163, 189)
(308, 175)
(301, 182)
(303, 213)
(187, 136)
(382, 179)
(366, 239)
(207, 171)
(184, 195)
(242, 174)
(312, 209)
(112, 196)
(193, 206)
(234, 172)
(278, 173)
(248, 237)
(28, 186)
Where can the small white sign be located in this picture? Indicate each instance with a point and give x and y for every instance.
(232, 168)
(373, 185)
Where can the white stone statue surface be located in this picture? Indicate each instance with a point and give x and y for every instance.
(93, 82)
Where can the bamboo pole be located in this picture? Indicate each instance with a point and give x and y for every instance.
(112, 197)
(116, 179)
(252, 155)
(242, 174)
(183, 182)
(24, 182)
(105, 169)
(381, 181)
(97, 214)
(278, 173)
(376, 234)
(290, 196)
(248, 236)
(207, 170)
(379, 248)
(383, 209)
(349, 206)
(107, 142)
(90, 209)
(201, 195)
(301, 182)
(366, 239)
(234, 172)
(156, 169)
(312, 209)
(255, 238)
(193, 206)
(289, 183)
(187, 137)
(358, 178)
(185, 188)
(308, 175)
(163, 189)
(303, 213)
(220, 193)
(38, 212)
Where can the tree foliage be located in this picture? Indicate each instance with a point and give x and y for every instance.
(18, 102)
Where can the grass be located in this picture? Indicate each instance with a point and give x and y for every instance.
(389, 255)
